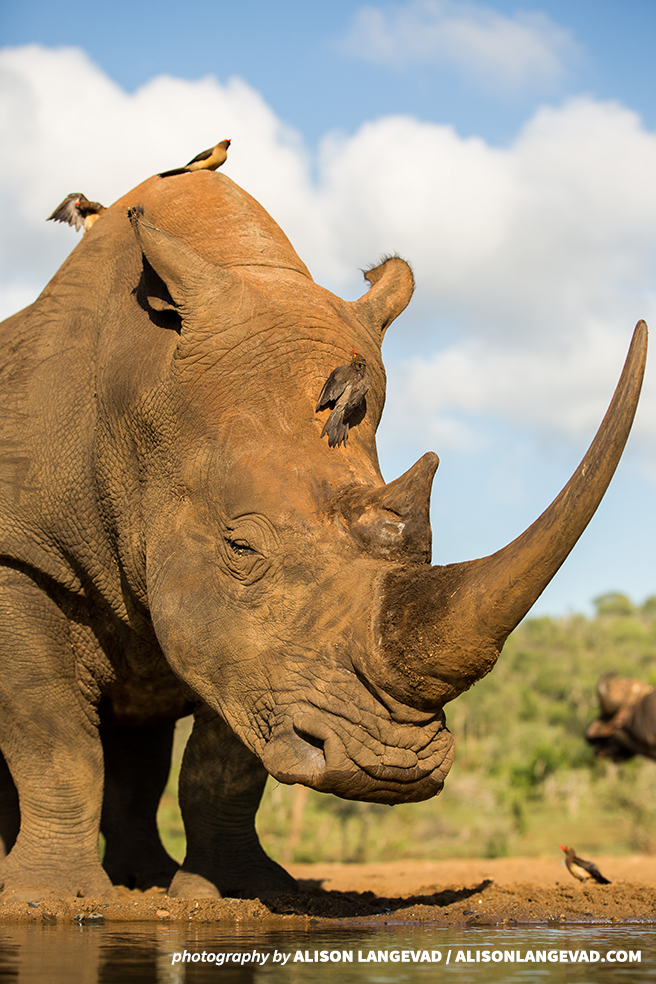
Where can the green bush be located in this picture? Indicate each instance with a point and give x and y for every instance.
(613, 604)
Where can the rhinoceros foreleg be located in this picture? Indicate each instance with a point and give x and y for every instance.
(52, 749)
(221, 785)
(137, 764)
(9, 810)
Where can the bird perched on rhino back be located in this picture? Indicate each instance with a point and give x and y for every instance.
(589, 867)
(78, 211)
(207, 160)
(346, 388)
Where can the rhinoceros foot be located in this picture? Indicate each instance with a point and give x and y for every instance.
(259, 878)
(19, 883)
(186, 885)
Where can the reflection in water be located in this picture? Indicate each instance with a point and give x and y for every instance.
(146, 954)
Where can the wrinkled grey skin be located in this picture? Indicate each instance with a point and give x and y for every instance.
(176, 537)
(626, 725)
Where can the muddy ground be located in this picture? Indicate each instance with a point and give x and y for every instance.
(449, 893)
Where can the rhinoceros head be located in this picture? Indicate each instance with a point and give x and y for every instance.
(288, 585)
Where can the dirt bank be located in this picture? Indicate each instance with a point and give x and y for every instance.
(486, 892)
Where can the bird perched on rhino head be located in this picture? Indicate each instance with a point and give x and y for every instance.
(346, 387)
(78, 211)
(207, 160)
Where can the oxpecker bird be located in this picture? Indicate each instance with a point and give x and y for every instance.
(572, 862)
(207, 160)
(346, 388)
(78, 211)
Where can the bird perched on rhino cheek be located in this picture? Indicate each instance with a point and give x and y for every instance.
(346, 388)
(207, 160)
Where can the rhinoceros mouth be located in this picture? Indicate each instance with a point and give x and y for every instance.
(315, 749)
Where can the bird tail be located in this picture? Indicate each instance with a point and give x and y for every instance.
(175, 170)
(336, 428)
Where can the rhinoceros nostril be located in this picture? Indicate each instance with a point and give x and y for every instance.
(310, 739)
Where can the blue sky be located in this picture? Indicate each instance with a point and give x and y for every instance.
(292, 52)
(508, 150)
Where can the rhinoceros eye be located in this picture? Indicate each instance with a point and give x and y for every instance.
(240, 547)
(245, 548)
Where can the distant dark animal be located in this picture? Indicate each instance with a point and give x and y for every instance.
(626, 725)
(207, 160)
(78, 211)
(591, 869)
(346, 387)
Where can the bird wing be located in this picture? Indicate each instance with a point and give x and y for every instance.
(593, 870)
(204, 154)
(68, 211)
(333, 387)
(355, 392)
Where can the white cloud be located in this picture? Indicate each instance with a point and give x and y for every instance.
(65, 126)
(549, 391)
(532, 261)
(527, 49)
(541, 254)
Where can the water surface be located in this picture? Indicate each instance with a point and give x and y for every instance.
(174, 953)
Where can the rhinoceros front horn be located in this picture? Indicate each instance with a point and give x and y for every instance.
(439, 629)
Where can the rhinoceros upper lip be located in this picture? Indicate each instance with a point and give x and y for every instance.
(313, 751)
(395, 764)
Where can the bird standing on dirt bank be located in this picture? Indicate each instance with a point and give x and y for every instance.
(78, 211)
(572, 862)
(346, 387)
(207, 160)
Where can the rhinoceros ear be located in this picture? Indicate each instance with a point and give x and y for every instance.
(181, 271)
(392, 285)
